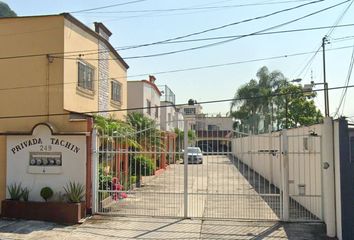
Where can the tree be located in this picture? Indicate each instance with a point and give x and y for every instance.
(148, 137)
(147, 134)
(300, 106)
(5, 10)
(180, 138)
(254, 102)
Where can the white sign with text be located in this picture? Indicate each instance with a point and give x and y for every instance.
(45, 160)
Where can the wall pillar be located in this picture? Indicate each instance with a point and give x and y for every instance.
(89, 153)
(328, 182)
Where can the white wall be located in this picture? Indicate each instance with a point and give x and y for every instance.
(304, 165)
(167, 124)
(18, 156)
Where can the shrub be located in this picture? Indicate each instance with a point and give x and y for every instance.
(75, 192)
(15, 191)
(46, 193)
(25, 194)
(104, 180)
(142, 165)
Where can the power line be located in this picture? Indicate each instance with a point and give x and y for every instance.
(196, 8)
(181, 41)
(345, 90)
(162, 41)
(228, 25)
(224, 41)
(310, 61)
(171, 105)
(177, 70)
(108, 6)
(242, 35)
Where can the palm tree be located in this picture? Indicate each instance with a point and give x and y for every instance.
(147, 134)
(149, 139)
(254, 100)
(113, 135)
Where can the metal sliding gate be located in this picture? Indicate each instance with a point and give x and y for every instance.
(275, 176)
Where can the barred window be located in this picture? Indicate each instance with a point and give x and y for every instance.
(116, 90)
(85, 76)
(189, 111)
(148, 105)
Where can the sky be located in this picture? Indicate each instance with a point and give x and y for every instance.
(146, 21)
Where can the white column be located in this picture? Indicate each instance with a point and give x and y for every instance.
(94, 172)
(328, 194)
(285, 175)
(185, 161)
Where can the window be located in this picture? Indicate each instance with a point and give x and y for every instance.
(116, 89)
(169, 118)
(189, 111)
(156, 111)
(148, 105)
(85, 76)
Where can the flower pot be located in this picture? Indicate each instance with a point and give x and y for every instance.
(59, 212)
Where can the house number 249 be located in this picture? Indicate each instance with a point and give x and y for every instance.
(45, 148)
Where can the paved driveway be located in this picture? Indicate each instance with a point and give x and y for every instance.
(217, 189)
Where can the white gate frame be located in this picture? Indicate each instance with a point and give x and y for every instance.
(285, 176)
(94, 171)
(185, 162)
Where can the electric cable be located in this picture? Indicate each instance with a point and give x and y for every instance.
(176, 70)
(171, 105)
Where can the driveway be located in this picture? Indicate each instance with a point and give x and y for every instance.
(216, 190)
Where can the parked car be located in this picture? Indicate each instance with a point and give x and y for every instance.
(195, 155)
(206, 149)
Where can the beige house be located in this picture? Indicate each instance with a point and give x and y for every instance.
(144, 97)
(56, 70)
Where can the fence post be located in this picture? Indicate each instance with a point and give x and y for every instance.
(329, 211)
(285, 175)
(94, 171)
(185, 162)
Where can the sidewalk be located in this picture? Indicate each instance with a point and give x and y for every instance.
(103, 227)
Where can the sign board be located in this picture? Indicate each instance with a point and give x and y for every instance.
(45, 159)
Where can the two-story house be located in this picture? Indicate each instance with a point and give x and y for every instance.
(144, 97)
(57, 71)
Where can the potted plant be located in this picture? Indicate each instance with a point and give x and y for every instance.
(46, 193)
(70, 211)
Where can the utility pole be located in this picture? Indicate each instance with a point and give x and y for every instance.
(324, 41)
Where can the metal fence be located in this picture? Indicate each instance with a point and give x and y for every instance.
(147, 172)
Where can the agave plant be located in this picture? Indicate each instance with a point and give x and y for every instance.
(75, 192)
(25, 193)
(15, 191)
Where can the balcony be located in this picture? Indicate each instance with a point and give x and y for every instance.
(167, 94)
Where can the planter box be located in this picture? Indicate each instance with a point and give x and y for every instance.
(59, 212)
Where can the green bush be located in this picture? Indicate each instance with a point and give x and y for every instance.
(142, 165)
(15, 191)
(25, 194)
(46, 193)
(104, 180)
(75, 192)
